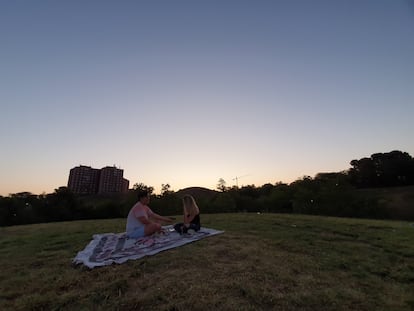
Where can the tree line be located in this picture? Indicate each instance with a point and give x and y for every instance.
(331, 194)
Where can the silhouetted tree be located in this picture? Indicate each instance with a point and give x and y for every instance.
(221, 185)
(165, 189)
(394, 168)
(61, 205)
(141, 186)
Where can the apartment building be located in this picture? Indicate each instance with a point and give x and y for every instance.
(84, 180)
(111, 180)
(88, 180)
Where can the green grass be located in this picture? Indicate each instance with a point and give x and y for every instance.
(261, 262)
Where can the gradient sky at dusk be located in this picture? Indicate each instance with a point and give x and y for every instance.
(188, 92)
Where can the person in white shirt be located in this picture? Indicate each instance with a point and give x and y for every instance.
(141, 220)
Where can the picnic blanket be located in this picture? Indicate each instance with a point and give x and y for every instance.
(108, 248)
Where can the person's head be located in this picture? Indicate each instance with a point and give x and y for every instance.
(190, 205)
(143, 196)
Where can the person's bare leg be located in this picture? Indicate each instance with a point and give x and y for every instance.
(152, 228)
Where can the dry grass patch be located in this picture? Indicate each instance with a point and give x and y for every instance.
(261, 262)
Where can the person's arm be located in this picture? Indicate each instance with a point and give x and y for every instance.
(162, 218)
(187, 218)
(144, 220)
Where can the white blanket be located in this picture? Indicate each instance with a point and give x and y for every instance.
(108, 248)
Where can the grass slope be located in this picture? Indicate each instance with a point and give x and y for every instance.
(261, 262)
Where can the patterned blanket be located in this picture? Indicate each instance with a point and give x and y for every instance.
(108, 248)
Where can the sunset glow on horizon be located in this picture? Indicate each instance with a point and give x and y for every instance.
(187, 92)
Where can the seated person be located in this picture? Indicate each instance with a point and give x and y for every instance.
(142, 221)
(191, 216)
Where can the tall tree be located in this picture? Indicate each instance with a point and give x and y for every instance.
(143, 187)
(395, 168)
(221, 185)
(165, 189)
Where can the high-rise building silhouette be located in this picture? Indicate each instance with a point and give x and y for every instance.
(84, 180)
(111, 180)
(88, 180)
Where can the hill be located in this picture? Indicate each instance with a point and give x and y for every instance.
(199, 193)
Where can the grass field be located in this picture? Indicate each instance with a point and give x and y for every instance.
(261, 262)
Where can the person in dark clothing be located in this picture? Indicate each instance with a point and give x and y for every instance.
(191, 216)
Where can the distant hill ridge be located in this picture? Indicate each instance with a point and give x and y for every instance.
(198, 193)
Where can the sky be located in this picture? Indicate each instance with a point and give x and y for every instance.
(187, 92)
